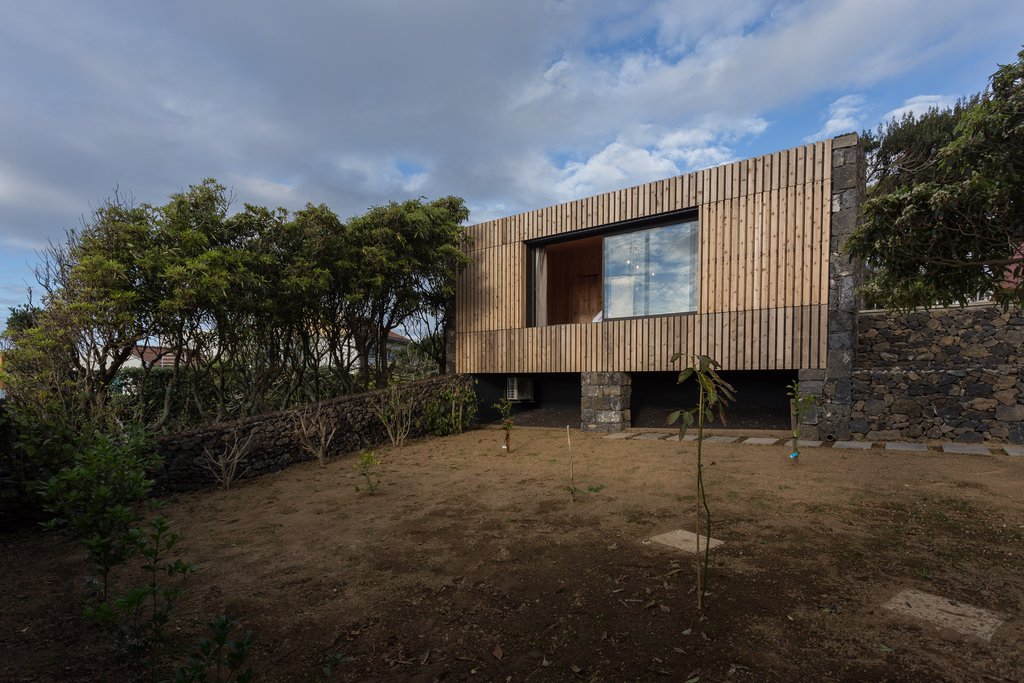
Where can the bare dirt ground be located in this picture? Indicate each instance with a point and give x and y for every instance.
(474, 565)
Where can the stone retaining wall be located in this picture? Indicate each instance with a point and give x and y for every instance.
(274, 436)
(951, 374)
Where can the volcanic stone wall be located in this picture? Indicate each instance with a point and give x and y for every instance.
(950, 374)
(275, 442)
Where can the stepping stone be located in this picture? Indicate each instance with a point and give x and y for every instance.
(964, 619)
(760, 441)
(672, 437)
(682, 540)
(618, 435)
(720, 439)
(689, 437)
(1014, 450)
(853, 445)
(650, 436)
(901, 446)
(965, 449)
(810, 443)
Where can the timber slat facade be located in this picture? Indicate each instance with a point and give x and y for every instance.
(762, 293)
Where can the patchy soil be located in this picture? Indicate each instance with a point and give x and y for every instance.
(471, 564)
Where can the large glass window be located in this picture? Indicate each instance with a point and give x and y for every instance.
(651, 272)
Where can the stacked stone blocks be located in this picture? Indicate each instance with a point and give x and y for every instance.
(604, 402)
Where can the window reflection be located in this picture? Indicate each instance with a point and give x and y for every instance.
(651, 272)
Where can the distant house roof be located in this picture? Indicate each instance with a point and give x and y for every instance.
(395, 338)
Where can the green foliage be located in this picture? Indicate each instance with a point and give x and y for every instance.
(366, 468)
(801, 404)
(504, 408)
(218, 658)
(713, 397)
(21, 318)
(140, 616)
(453, 409)
(945, 223)
(253, 311)
(93, 499)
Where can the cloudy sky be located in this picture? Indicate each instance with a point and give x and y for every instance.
(511, 105)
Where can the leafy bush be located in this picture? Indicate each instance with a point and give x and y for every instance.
(140, 616)
(453, 409)
(218, 659)
(93, 498)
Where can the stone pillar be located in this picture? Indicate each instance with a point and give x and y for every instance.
(844, 277)
(604, 404)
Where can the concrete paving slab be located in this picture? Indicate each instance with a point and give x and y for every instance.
(1014, 450)
(672, 437)
(853, 445)
(964, 619)
(683, 540)
(651, 436)
(903, 446)
(760, 441)
(690, 437)
(965, 449)
(810, 443)
(721, 439)
(618, 435)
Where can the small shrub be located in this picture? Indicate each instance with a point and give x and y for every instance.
(394, 408)
(800, 404)
(504, 408)
(367, 469)
(93, 499)
(224, 463)
(316, 432)
(140, 616)
(452, 410)
(218, 658)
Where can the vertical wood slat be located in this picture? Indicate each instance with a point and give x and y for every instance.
(762, 274)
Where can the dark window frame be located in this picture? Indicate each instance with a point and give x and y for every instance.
(620, 227)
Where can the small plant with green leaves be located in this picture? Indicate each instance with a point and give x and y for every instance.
(504, 408)
(366, 468)
(452, 409)
(801, 404)
(714, 394)
(218, 658)
(139, 617)
(95, 500)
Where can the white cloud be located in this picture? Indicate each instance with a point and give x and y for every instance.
(20, 191)
(844, 116)
(919, 105)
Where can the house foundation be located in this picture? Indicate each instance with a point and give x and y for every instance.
(604, 401)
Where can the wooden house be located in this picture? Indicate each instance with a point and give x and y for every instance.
(739, 262)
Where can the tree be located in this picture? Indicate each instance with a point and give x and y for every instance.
(944, 222)
(399, 259)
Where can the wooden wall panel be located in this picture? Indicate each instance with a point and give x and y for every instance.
(762, 275)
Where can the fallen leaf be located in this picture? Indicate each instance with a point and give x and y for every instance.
(575, 669)
(498, 654)
(425, 657)
(687, 631)
(665, 608)
(544, 661)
